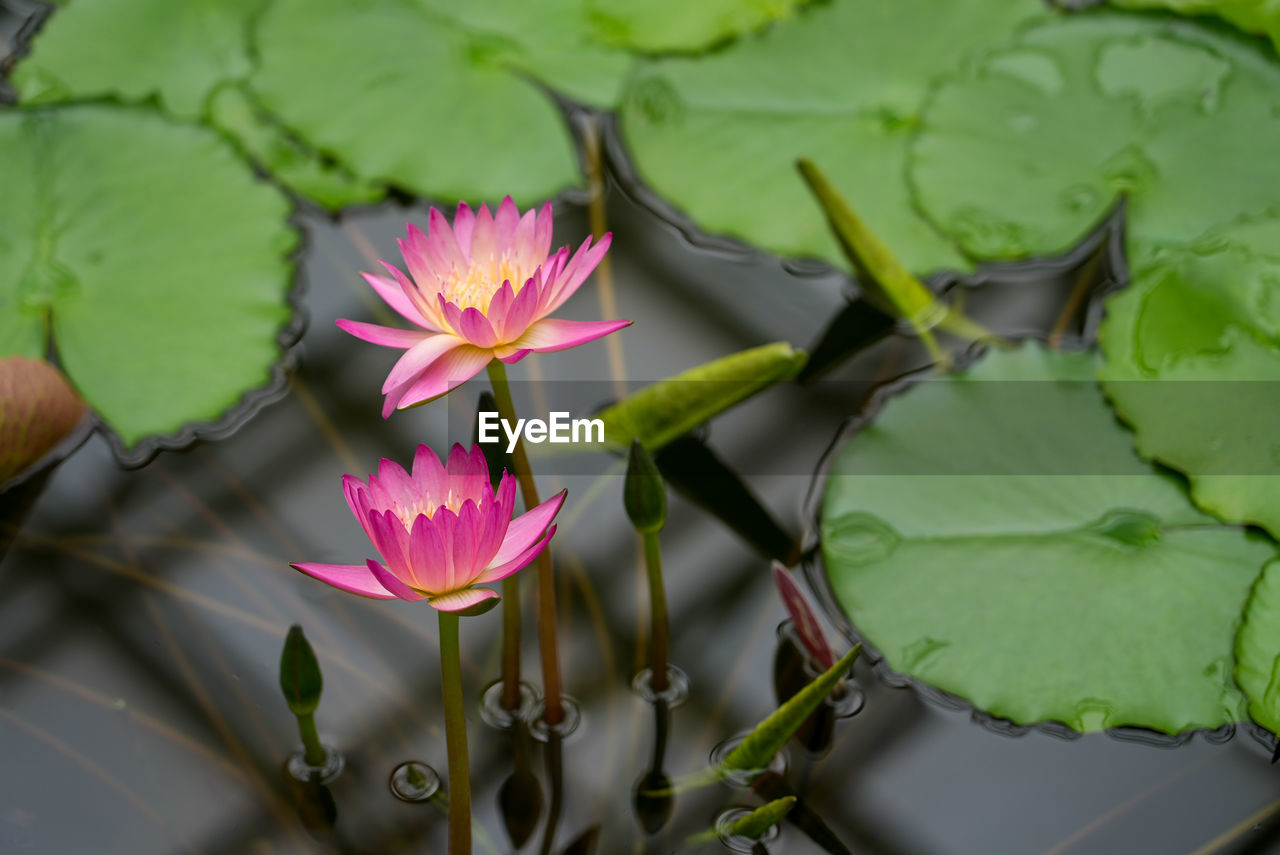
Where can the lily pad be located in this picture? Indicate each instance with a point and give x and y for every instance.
(1252, 16)
(1258, 650)
(439, 106)
(1193, 363)
(661, 26)
(149, 253)
(1022, 152)
(994, 535)
(139, 49)
(841, 84)
(553, 41)
(233, 111)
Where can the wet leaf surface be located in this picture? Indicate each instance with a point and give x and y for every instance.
(139, 49)
(436, 105)
(659, 26)
(152, 256)
(1258, 650)
(995, 536)
(1020, 153)
(835, 85)
(1193, 363)
(1252, 16)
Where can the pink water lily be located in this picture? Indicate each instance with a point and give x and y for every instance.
(477, 291)
(442, 530)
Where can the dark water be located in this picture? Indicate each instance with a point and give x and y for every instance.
(142, 614)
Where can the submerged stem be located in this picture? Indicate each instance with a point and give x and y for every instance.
(658, 636)
(547, 642)
(510, 643)
(455, 731)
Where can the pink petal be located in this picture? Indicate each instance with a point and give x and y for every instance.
(505, 496)
(525, 529)
(518, 562)
(424, 306)
(466, 537)
(448, 372)
(428, 474)
(542, 232)
(476, 329)
(426, 269)
(550, 334)
(523, 241)
(444, 521)
(352, 578)
(499, 305)
(419, 358)
(574, 274)
(505, 221)
(456, 601)
(385, 336)
(428, 555)
(393, 397)
(392, 488)
(358, 501)
(442, 247)
(494, 528)
(802, 617)
(391, 539)
(463, 222)
(388, 580)
(510, 354)
(394, 295)
(466, 475)
(484, 244)
(521, 313)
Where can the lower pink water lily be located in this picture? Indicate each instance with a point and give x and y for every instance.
(442, 531)
(478, 291)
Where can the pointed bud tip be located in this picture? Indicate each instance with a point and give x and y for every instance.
(644, 493)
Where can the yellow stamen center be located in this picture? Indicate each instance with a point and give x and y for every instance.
(476, 286)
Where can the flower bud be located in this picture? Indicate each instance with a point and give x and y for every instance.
(300, 678)
(644, 494)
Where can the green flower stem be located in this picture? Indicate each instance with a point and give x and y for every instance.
(547, 644)
(313, 751)
(658, 636)
(510, 643)
(455, 732)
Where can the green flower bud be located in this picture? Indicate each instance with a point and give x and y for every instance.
(645, 494)
(300, 678)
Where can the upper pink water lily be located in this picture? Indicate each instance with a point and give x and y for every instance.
(479, 290)
(442, 530)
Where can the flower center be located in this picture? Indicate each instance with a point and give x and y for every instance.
(475, 286)
(410, 512)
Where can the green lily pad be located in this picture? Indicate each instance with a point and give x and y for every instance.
(440, 107)
(661, 26)
(1252, 16)
(1019, 154)
(138, 49)
(842, 85)
(1258, 650)
(553, 41)
(1193, 363)
(233, 111)
(151, 254)
(994, 535)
